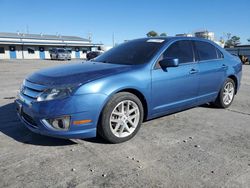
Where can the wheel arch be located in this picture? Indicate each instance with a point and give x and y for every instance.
(134, 91)
(234, 78)
(137, 93)
(140, 96)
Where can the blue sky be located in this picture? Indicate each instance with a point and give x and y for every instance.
(127, 19)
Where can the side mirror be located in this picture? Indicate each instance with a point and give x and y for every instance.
(169, 62)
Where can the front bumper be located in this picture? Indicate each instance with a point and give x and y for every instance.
(77, 107)
(62, 57)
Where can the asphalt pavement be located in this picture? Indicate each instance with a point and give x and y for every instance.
(200, 147)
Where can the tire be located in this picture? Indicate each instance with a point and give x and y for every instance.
(116, 126)
(228, 89)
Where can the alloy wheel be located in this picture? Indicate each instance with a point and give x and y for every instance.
(124, 118)
(228, 93)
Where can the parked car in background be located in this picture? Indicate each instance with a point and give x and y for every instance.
(242, 51)
(60, 54)
(93, 54)
(244, 59)
(136, 81)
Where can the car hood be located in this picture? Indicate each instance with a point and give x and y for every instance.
(79, 73)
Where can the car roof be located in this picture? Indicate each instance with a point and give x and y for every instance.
(175, 38)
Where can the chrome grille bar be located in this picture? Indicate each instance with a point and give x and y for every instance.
(32, 90)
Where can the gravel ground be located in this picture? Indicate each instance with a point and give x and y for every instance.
(200, 147)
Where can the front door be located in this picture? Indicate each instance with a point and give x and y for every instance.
(175, 88)
(12, 52)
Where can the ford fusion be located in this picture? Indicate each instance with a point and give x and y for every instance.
(136, 81)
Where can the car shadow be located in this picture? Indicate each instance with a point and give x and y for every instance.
(208, 105)
(11, 126)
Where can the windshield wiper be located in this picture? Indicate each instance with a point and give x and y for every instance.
(104, 61)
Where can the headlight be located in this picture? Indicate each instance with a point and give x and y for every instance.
(21, 87)
(55, 93)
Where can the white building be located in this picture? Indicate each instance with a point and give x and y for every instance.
(205, 34)
(35, 46)
(208, 35)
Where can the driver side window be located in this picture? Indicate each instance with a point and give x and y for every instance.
(183, 50)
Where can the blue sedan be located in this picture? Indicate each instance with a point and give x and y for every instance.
(136, 81)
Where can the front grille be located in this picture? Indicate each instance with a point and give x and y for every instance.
(32, 90)
(29, 119)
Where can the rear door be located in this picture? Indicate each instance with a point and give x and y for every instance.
(212, 70)
(175, 88)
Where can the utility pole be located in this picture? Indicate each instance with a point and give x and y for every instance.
(90, 36)
(27, 29)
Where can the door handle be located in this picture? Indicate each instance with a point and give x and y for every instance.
(193, 71)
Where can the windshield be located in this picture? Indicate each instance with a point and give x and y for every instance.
(61, 51)
(133, 52)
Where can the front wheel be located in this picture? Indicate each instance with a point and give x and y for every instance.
(226, 95)
(121, 118)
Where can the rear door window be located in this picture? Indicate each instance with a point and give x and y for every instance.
(219, 54)
(205, 51)
(182, 50)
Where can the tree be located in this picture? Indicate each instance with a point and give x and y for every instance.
(163, 34)
(222, 41)
(152, 34)
(233, 41)
(228, 36)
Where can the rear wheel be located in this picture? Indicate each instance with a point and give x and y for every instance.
(121, 118)
(226, 95)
